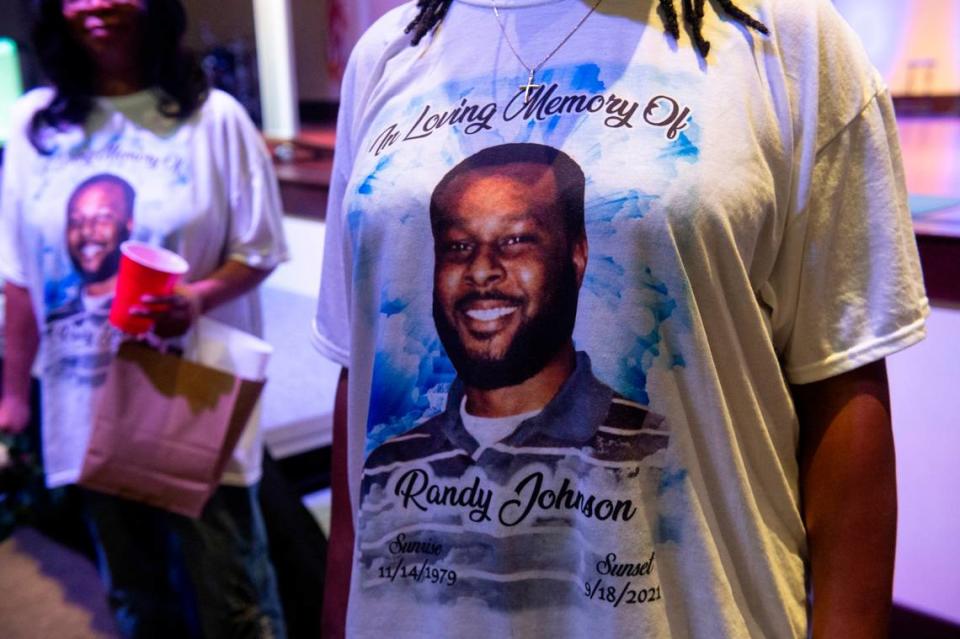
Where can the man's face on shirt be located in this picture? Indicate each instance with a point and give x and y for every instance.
(507, 277)
(97, 222)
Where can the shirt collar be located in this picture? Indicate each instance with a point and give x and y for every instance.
(509, 4)
(571, 417)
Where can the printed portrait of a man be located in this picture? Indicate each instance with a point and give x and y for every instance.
(529, 434)
(99, 219)
(510, 252)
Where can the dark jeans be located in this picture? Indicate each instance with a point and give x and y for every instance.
(172, 576)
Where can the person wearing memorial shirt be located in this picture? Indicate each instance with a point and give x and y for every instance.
(751, 264)
(131, 143)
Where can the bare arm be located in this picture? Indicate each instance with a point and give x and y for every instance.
(21, 343)
(340, 548)
(848, 485)
(175, 314)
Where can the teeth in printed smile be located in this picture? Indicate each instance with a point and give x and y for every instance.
(490, 314)
(90, 250)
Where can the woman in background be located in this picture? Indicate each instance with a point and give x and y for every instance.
(130, 143)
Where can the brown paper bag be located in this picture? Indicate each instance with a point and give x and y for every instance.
(164, 428)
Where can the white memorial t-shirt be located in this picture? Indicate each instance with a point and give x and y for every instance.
(746, 229)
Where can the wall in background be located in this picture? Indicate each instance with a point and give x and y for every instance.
(925, 407)
(325, 32)
(227, 21)
(325, 36)
(15, 23)
(914, 43)
(310, 41)
(220, 21)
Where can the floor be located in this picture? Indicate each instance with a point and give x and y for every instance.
(49, 592)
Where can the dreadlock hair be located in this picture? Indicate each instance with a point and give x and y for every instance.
(431, 12)
(165, 64)
(693, 11)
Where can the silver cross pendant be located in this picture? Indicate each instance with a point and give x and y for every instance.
(529, 86)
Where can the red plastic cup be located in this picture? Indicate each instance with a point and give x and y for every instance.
(144, 270)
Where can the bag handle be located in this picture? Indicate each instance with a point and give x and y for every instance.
(189, 342)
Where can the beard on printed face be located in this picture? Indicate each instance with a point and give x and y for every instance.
(534, 341)
(96, 262)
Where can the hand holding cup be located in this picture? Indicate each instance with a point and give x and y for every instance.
(146, 284)
(172, 315)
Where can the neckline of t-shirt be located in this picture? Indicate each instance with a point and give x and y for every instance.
(509, 4)
(128, 100)
(94, 302)
(477, 419)
(487, 431)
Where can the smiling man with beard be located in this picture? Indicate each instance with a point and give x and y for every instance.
(510, 251)
(528, 434)
(99, 219)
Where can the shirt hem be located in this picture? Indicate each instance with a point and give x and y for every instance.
(862, 354)
(241, 480)
(12, 278)
(62, 478)
(245, 480)
(260, 262)
(327, 348)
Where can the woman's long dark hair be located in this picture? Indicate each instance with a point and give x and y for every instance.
(165, 64)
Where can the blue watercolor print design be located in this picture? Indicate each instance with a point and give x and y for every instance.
(392, 307)
(647, 348)
(684, 147)
(366, 186)
(59, 293)
(630, 204)
(552, 124)
(671, 496)
(182, 174)
(354, 219)
(586, 77)
(400, 398)
(365, 267)
(669, 529)
(604, 279)
(612, 273)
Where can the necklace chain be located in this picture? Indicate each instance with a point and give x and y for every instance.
(532, 70)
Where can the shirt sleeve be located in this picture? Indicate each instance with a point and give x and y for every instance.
(331, 324)
(13, 268)
(848, 288)
(256, 214)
